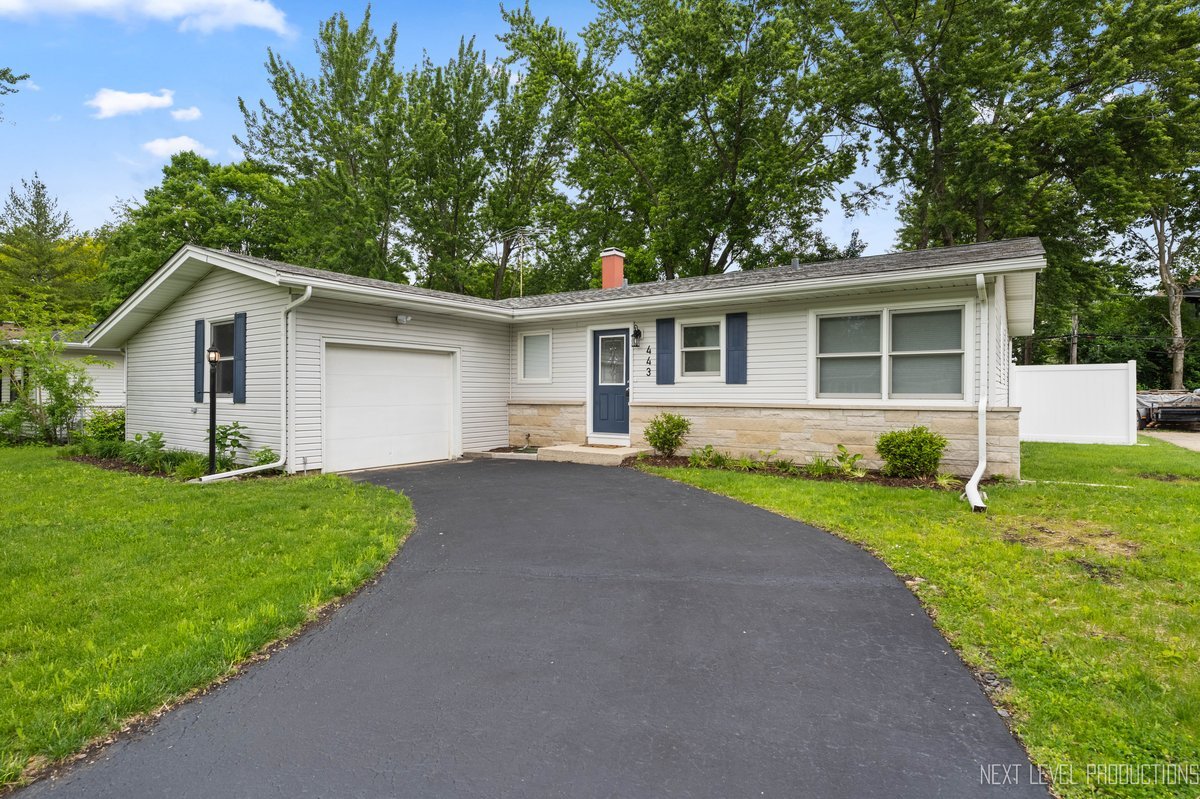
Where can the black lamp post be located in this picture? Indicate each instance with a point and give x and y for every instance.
(214, 358)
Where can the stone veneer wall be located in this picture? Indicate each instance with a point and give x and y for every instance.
(547, 423)
(801, 432)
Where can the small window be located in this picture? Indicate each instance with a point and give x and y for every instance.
(927, 354)
(535, 358)
(222, 339)
(700, 349)
(849, 356)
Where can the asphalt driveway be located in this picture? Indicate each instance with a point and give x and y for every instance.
(563, 630)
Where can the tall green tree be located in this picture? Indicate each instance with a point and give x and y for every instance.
(336, 139)
(44, 259)
(446, 165)
(528, 143)
(702, 140)
(238, 207)
(1143, 178)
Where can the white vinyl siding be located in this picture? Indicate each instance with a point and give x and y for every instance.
(484, 360)
(108, 376)
(160, 364)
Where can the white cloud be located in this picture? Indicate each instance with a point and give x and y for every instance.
(165, 148)
(30, 85)
(54, 118)
(204, 16)
(111, 103)
(186, 114)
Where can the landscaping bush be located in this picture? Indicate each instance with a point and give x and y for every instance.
(105, 425)
(666, 432)
(915, 452)
(192, 467)
(708, 457)
(264, 456)
(145, 450)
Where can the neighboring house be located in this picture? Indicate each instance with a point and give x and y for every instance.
(341, 372)
(106, 368)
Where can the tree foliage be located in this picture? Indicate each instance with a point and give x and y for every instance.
(702, 139)
(8, 84)
(237, 207)
(44, 260)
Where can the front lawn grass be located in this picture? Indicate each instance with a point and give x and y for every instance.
(122, 592)
(1085, 601)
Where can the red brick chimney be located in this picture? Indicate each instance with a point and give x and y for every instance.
(612, 268)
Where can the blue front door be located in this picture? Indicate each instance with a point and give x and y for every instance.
(610, 381)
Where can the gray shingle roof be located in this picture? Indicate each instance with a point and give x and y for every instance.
(913, 261)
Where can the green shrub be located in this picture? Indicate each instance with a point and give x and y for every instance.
(666, 432)
(847, 462)
(266, 455)
(818, 466)
(708, 457)
(915, 452)
(105, 425)
(145, 450)
(192, 467)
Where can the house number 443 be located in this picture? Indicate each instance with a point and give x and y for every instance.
(649, 361)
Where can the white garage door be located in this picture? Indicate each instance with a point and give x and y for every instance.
(385, 407)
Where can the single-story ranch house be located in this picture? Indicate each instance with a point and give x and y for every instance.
(336, 372)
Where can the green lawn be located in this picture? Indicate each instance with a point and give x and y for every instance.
(1086, 598)
(121, 592)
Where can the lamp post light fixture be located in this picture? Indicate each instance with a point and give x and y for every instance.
(214, 358)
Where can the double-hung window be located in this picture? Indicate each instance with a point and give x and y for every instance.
(888, 354)
(927, 353)
(222, 339)
(700, 349)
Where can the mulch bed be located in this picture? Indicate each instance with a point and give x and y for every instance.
(876, 478)
(528, 450)
(114, 465)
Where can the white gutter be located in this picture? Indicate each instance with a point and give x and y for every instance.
(971, 492)
(285, 319)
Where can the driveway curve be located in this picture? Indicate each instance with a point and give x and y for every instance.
(563, 630)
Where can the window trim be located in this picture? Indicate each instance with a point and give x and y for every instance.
(549, 378)
(221, 396)
(945, 302)
(699, 377)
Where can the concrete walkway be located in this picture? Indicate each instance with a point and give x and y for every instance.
(1188, 439)
(558, 630)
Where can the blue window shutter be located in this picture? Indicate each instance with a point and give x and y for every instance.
(735, 348)
(239, 357)
(200, 360)
(664, 339)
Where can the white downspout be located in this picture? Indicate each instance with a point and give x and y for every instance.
(285, 349)
(971, 492)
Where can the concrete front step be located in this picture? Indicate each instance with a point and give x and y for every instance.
(583, 453)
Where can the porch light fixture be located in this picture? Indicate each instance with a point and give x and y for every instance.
(637, 336)
(214, 358)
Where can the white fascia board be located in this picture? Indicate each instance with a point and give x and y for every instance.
(784, 290)
(162, 276)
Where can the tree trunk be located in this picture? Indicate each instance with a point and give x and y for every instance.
(1174, 291)
(498, 281)
(1073, 352)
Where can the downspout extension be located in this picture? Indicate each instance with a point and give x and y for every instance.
(283, 394)
(972, 492)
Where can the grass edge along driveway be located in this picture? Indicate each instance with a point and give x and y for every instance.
(1083, 602)
(124, 593)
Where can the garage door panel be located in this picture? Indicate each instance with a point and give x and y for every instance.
(386, 407)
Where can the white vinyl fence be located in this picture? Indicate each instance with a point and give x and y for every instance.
(1080, 404)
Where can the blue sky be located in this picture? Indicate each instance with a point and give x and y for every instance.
(112, 92)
